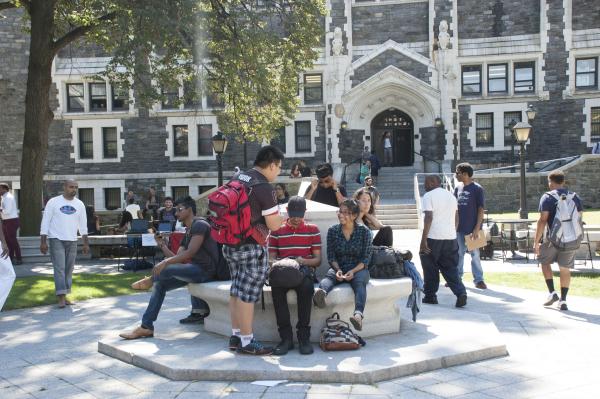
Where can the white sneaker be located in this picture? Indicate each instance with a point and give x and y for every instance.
(552, 297)
(562, 305)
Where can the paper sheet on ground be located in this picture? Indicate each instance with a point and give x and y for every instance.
(269, 383)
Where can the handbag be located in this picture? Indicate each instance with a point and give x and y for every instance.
(285, 273)
(338, 336)
(387, 263)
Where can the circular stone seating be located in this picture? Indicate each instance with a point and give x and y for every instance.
(382, 312)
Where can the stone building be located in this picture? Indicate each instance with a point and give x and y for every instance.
(445, 77)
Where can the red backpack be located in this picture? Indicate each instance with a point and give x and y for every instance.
(230, 213)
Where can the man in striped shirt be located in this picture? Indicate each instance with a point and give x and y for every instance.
(301, 241)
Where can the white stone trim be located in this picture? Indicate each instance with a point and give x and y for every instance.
(192, 185)
(192, 123)
(392, 45)
(290, 135)
(544, 39)
(498, 110)
(585, 38)
(99, 185)
(96, 125)
(587, 124)
(366, 49)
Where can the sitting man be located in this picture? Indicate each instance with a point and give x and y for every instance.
(174, 271)
(167, 214)
(301, 241)
(324, 188)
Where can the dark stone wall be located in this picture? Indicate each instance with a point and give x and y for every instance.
(403, 23)
(433, 143)
(586, 14)
(351, 145)
(14, 53)
(492, 18)
(337, 12)
(443, 10)
(390, 57)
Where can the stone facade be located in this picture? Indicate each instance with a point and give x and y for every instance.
(402, 23)
(586, 14)
(390, 57)
(493, 18)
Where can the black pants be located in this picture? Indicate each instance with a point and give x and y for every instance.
(384, 237)
(304, 293)
(442, 259)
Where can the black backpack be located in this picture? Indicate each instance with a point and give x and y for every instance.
(221, 267)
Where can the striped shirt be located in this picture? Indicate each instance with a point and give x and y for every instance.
(294, 242)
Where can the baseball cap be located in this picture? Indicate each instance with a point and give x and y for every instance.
(296, 207)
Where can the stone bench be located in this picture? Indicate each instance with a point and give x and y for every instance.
(382, 313)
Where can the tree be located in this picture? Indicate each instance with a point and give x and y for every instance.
(249, 52)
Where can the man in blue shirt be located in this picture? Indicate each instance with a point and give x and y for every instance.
(470, 217)
(546, 252)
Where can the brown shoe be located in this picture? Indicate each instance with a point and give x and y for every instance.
(143, 284)
(356, 321)
(481, 285)
(139, 332)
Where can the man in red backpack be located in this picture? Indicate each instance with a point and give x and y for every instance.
(248, 261)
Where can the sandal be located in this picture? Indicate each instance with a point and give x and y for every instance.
(143, 284)
(356, 321)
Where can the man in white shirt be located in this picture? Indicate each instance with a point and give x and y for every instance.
(134, 209)
(439, 248)
(63, 216)
(10, 223)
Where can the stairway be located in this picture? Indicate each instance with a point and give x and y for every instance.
(397, 203)
(30, 250)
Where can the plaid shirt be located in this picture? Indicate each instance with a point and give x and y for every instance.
(349, 253)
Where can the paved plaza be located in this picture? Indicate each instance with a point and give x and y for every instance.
(46, 352)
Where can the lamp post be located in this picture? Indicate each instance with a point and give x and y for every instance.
(522, 130)
(219, 143)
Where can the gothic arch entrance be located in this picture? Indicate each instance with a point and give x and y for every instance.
(401, 128)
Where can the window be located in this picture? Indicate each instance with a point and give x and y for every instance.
(109, 142)
(497, 78)
(180, 141)
(279, 139)
(179, 192)
(205, 147)
(75, 97)
(524, 77)
(303, 136)
(313, 89)
(112, 198)
(471, 80)
(86, 195)
(585, 73)
(203, 189)
(86, 143)
(120, 98)
(170, 97)
(595, 131)
(509, 117)
(97, 97)
(484, 130)
(192, 95)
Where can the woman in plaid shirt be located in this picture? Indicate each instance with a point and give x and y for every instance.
(348, 252)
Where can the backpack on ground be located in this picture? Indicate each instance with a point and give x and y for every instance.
(338, 336)
(566, 231)
(230, 214)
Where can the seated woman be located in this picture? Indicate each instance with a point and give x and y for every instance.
(348, 252)
(385, 235)
(282, 194)
(93, 221)
(295, 171)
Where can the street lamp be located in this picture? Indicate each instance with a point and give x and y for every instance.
(531, 112)
(219, 143)
(522, 130)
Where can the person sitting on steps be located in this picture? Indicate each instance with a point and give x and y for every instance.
(349, 247)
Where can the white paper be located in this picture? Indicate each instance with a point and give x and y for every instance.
(148, 240)
(269, 383)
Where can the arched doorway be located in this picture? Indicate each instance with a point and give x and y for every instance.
(401, 127)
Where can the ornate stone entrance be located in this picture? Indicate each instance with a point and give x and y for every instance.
(401, 127)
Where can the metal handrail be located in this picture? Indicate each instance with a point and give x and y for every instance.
(430, 159)
(343, 179)
(539, 166)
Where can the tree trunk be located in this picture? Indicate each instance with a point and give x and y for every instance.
(38, 115)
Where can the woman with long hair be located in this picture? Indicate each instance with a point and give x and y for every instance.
(282, 194)
(385, 235)
(348, 252)
(295, 171)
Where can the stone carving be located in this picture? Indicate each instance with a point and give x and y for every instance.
(443, 36)
(337, 44)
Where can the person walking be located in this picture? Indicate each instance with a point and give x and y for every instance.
(10, 223)
(439, 249)
(64, 215)
(470, 199)
(546, 252)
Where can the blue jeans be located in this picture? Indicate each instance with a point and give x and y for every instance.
(174, 276)
(358, 283)
(62, 254)
(476, 268)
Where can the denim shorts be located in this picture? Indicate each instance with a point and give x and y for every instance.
(248, 265)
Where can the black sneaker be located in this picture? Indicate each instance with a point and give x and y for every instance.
(255, 348)
(234, 342)
(552, 297)
(319, 298)
(461, 301)
(562, 305)
(284, 346)
(305, 347)
(432, 300)
(193, 318)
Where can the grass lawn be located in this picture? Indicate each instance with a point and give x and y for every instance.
(581, 284)
(37, 290)
(590, 216)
